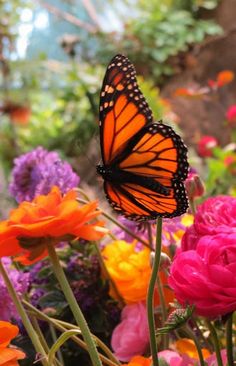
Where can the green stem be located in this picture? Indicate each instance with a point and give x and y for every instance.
(192, 206)
(24, 317)
(216, 343)
(150, 294)
(59, 273)
(192, 335)
(107, 275)
(229, 340)
(58, 324)
(54, 339)
(150, 238)
(164, 314)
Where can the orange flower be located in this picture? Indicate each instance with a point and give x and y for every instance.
(131, 271)
(48, 218)
(187, 346)
(223, 77)
(139, 361)
(190, 92)
(9, 356)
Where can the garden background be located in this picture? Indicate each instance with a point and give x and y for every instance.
(53, 56)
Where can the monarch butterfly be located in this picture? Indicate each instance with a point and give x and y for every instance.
(144, 162)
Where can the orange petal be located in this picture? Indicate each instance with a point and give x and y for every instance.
(7, 333)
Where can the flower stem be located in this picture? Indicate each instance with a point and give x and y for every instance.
(59, 273)
(192, 206)
(229, 340)
(164, 314)
(150, 295)
(63, 326)
(216, 343)
(192, 335)
(24, 317)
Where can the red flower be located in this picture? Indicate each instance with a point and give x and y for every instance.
(231, 115)
(205, 146)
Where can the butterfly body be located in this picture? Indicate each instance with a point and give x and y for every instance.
(118, 176)
(144, 163)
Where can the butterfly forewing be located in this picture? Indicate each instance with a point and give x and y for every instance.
(123, 109)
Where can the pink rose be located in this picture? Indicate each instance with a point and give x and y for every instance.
(205, 277)
(215, 215)
(131, 336)
(205, 146)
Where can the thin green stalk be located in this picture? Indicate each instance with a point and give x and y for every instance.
(164, 313)
(192, 206)
(229, 340)
(216, 343)
(192, 335)
(150, 294)
(150, 238)
(58, 324)
(60, 275)
(24, 317)
(54, 338)
(107, 275)
(98, 341)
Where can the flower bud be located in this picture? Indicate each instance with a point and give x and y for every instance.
(194, 186)
(165, 260)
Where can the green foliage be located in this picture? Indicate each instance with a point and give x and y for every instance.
(220, 177)
(158, 32)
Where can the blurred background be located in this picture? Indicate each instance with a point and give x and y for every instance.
(53, 56)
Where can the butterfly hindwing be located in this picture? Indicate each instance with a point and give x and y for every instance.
(123, 109)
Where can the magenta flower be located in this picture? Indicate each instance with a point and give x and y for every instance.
(216, 215)
(131, 336)
(37, 171)
(205, 277)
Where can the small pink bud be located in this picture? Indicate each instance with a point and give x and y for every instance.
(194, 186)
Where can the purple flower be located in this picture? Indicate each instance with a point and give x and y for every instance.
(20, 282)
(37, 171)
(173, 230)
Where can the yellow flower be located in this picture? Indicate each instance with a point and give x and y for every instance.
(129, 269)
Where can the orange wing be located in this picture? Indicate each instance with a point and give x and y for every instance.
(123, 109)
(144, 163)
(139, 203)
(156, 152)
(157, 158)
